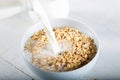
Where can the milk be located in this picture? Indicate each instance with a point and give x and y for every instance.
(63, 46)
(42, 16)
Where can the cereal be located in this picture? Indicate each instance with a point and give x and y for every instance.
(83, 50)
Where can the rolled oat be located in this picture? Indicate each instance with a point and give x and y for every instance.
(83, 50)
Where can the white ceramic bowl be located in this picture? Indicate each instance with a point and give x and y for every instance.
(69, 75)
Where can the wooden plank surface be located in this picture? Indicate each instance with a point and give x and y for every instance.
(9, 72)
(14, 57)
(10, 46)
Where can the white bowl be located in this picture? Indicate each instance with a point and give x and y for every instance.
(69, 75)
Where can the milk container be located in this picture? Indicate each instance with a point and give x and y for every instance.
(53, 8)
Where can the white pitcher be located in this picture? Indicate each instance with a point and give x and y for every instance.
(53, 8)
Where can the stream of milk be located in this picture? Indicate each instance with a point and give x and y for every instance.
(42, 16)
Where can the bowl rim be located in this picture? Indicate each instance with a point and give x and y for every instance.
(70, 19)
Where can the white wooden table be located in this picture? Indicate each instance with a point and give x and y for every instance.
(102, 15)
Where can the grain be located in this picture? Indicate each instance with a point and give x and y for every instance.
(83, 50)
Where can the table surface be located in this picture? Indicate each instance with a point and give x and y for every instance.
(101, 15)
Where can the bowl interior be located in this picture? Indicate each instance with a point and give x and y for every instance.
(59, 23)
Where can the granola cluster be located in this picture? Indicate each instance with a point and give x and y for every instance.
(83, 50)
